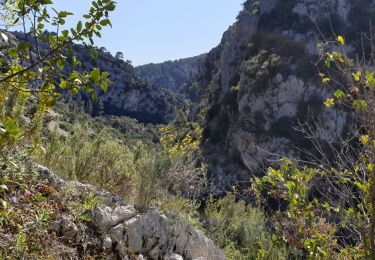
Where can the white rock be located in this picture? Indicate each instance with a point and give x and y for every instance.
(106, 217)
(173, 257)
(107, 242)
(117, 232)
(151, 228)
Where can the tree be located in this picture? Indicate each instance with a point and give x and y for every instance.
(329, 203)
(119, 55)
(38, 64)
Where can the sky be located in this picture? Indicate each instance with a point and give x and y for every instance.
(149, 31)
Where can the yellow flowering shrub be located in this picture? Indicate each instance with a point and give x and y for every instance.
(177, 145)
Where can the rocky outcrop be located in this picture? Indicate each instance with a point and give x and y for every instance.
(126, 233)
(171, 75)
(260, 85)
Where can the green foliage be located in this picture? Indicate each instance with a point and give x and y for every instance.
(327, 208)
(303, 224)
(26, 224)
(140, 171)
(30, 72)
(241, 230)
(33, 69)
(91, 157)
(185, 208)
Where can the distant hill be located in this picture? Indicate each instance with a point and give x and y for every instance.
(127, 95)
(171, 75)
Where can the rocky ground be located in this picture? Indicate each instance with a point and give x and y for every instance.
(78, 221)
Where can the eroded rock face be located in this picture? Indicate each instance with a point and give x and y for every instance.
(260, 85)
(119, 228)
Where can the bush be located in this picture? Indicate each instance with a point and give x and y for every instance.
(241, 230)
(95, 158)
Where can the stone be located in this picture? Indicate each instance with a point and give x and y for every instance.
(107, 242)
(134, 234)
(117, 232)
(151, 228)
(106, 217)
(173, 257)
(155, 253)
(68, 228)
(150, 233)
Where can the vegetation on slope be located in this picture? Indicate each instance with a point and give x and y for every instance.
(294, 216)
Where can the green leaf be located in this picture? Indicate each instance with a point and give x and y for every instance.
(94, 96)
(61, 64)
(105, 22)
(341, 40)
(357, 76)
(111, 6)
(63, 84)
(95, 74)
(12, 52)
(65, 33)
(326, 80)
(370, 79)
(105, 75)
(360, 186)
(79, 26)
(339, 94)
(4, 204)
(104, 86)
(46, 2)
(23, 46)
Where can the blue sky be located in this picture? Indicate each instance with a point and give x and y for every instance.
(158, 30)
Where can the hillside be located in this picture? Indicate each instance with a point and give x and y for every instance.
(172, 75)
(260, 84)
(263, 148)
(128, 95)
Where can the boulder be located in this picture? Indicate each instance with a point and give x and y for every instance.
(106, 217)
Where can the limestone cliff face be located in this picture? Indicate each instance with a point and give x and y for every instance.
(260, 83)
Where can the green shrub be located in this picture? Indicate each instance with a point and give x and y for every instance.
(241, 230)
(95, 158)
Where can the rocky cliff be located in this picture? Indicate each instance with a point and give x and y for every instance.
(259, 85)
(117, 230)
(171, 75)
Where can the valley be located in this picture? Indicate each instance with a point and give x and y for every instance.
(262, 148)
